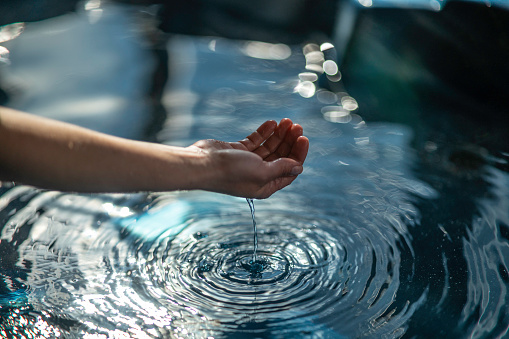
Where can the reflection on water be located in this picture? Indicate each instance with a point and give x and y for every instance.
(381, 236)
(434, 5)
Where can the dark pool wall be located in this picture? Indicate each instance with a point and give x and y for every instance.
(287, 21)
(33, 10)
(445, 69)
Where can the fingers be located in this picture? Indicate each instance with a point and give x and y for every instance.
(300, 149)
(286, 145)
(255, 139)
(275, 140)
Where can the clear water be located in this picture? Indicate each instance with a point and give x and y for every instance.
(379, 237)
(255, 232)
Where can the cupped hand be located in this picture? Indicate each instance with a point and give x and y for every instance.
(268, 160)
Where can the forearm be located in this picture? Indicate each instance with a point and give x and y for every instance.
(61, 156)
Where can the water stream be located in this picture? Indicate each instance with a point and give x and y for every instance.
(255, 233)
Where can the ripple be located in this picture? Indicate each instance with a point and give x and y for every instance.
(182, 268)
(310, 274)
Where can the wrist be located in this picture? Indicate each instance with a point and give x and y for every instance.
(198, 169)
(212, 173)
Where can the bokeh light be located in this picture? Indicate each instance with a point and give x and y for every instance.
(330, 67)
(349, 103)
(264, 50)
(4, 55)
(336, 114)
(366, 3)
(306, 89)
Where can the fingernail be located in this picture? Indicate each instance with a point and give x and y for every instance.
(296, 170)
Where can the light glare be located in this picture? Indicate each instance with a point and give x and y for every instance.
(308, 76)
(330, 67)
(349, 103)
(325, 46)
(366, 3)
(9, 32)
(306, 89)
(264, 50)
(4, 55)
(336, 114)
(315, 57)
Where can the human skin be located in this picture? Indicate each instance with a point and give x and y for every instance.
(55, 155)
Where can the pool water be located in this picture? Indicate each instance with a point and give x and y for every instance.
(391, 231)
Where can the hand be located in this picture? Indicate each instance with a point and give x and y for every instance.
(56, 155)
(266, 161)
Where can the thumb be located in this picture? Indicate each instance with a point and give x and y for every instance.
(284, 167)
(282, 172)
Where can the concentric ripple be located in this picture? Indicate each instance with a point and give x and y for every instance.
(310, 274)
(185, 269)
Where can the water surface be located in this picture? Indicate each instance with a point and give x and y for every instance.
(379, 237)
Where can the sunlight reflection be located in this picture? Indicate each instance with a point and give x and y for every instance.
(336, 114)
(314, 58)
(330, 67)
(362, 141)
(4, 55)
(264, 50)
(308, 76)
(306, 89)
(315, 68)
(308, 48)
(434, 5)
(326, 46)
(349, 103)
(366, 3)
(322, 59)
(93, 7)
(117, 212)
(92, 4)
(9, 32)
(212, 45)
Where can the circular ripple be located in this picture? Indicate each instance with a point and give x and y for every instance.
(309, 275)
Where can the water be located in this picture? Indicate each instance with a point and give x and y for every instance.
(391, 231)
(255, 233)
(255, 266)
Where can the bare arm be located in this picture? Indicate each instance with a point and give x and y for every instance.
(56, 155)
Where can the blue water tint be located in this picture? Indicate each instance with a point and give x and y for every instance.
(17, 298)
(167, 221)
(434, 5)
(393, 230)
